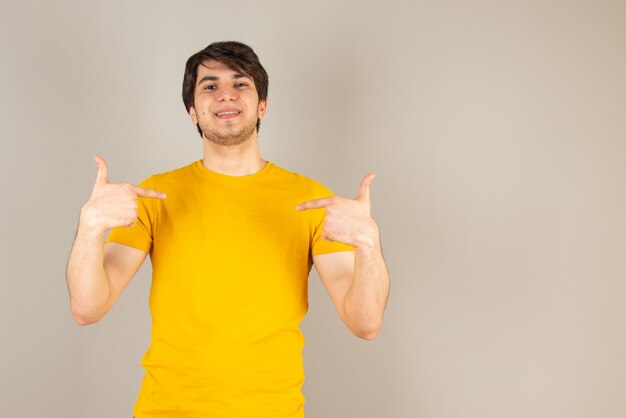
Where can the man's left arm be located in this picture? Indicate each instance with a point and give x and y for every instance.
(358, 282)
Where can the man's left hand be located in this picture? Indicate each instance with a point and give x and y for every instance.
(348, 220)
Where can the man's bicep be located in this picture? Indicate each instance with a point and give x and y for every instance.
(121, 263)
(336, 271)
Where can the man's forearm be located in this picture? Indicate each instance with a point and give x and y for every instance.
(86, 278)
(365, 301)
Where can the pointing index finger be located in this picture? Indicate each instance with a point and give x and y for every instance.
(143, 192)
(314, 204)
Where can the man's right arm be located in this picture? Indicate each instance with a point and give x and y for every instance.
(98, 272)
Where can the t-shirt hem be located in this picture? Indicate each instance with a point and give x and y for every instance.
(129, 244)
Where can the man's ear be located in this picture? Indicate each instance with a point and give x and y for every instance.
(262, 108)
(192, 113)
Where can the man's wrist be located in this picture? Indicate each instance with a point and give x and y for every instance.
(89, 229)
(369, 239)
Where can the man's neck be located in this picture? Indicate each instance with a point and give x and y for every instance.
(236, 160)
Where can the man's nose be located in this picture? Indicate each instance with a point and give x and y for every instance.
(228, 93)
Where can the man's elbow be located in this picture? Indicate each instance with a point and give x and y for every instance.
(84, 318)
(366, 333)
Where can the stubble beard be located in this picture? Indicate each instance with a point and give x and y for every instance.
(229, 136)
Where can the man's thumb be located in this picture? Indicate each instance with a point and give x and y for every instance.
(364, 188)
(103, 171)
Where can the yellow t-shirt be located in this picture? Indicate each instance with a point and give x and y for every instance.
(231, 257)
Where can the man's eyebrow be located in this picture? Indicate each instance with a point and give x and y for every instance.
(208, 78)
(214, 78)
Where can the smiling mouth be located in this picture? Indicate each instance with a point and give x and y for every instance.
(230, 113)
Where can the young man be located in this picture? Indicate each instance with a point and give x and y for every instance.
(232, 239)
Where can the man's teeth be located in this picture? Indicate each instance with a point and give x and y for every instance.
(234, 112)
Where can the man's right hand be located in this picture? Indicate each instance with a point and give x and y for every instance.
(112, 204)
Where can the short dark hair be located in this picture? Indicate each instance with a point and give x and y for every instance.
(236, 56)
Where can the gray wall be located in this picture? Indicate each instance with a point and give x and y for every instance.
(497, 130)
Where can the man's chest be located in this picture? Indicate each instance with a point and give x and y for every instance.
(233, 220)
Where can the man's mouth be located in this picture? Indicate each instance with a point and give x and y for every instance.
(227, 114)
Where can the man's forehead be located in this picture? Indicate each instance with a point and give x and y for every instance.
(217, 68)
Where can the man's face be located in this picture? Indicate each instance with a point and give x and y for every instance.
(226, 104)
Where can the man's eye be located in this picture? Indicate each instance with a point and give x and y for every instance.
(241, 84)
(210, 87)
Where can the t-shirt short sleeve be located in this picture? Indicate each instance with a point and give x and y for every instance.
(139, 235)
(318, 244)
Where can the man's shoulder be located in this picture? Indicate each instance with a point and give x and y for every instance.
(183, 173)
(313, 186)
(287, 174)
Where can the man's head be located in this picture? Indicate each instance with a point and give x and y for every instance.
(237, 57)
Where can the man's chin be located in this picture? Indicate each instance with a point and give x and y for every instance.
(227, 140)
(230, 136)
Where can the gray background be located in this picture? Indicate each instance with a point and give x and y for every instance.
(497, 130)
